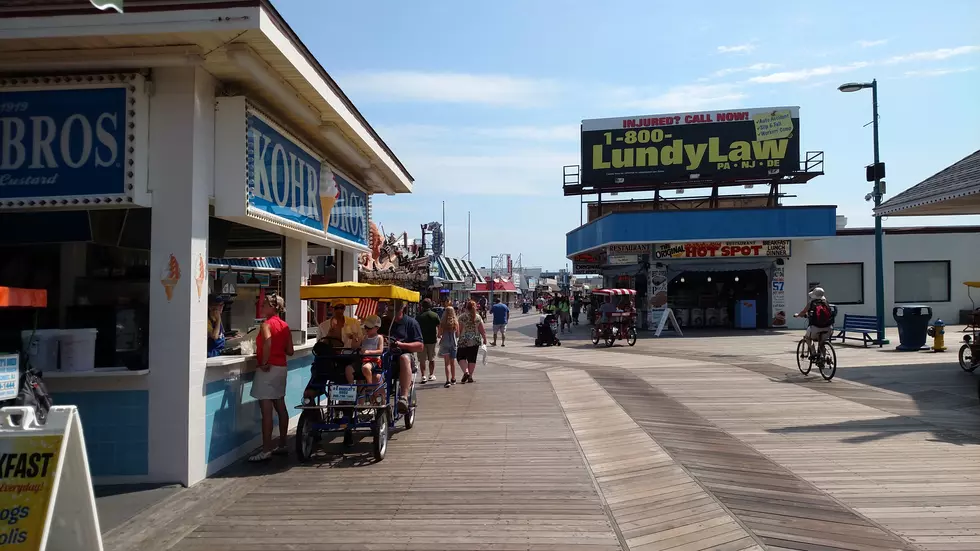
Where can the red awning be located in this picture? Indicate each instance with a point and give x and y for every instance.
(498, 287)
(23, 298)
(614, 292)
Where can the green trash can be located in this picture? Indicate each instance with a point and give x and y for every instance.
(913, 322)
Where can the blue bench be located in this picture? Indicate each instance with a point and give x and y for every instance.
(865, 325)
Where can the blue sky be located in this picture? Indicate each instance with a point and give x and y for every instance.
(482, 100)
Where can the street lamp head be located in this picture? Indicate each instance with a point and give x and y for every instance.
(853, 86)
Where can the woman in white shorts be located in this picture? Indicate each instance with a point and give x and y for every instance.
(272, 345)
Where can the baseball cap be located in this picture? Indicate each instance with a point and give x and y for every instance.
(371, 321)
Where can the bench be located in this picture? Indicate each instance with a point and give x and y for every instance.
(865, 325)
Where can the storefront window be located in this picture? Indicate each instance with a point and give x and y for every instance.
(926, 281)
(844, 283)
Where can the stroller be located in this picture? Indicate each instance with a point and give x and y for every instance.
(548, 332)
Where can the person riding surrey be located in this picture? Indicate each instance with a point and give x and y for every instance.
(407, 342)
(820, 315)
(607, 309)
(333, 327)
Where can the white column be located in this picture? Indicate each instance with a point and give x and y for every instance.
(347, 269)
(296, 269)
(180, 174)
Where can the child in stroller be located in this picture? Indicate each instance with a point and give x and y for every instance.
(548, 331)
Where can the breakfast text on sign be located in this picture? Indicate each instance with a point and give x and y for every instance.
(25, 486)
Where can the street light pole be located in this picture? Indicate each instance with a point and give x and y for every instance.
(493, 260)
(879, 247)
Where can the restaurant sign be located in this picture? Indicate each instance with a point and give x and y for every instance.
(723, 249)
(642, 248)
(69, 142)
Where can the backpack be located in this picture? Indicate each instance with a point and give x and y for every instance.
(821, 316)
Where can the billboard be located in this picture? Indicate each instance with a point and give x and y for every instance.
(690, 149)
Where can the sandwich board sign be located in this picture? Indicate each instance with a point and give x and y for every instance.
(661, 317)
(46, 497)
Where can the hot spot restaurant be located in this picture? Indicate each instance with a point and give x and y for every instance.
(130, 175)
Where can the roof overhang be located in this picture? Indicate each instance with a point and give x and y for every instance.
(961, 202)
(245, 44)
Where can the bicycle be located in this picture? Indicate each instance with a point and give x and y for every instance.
(825, 357)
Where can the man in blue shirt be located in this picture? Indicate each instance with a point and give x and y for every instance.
(501, 315)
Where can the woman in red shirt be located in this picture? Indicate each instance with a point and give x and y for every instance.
(272, 345)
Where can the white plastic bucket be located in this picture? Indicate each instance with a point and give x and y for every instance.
(42, 350)
(78, 349)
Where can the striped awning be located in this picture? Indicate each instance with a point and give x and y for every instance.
(263, 263)
(614, 292)
(455, 270)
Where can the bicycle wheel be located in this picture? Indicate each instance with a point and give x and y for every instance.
(829, 367)
(595, 337)
(803, 357)
(966, 358)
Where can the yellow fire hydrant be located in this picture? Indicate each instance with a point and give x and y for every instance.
(938, 333)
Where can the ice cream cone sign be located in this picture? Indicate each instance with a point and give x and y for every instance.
(170, 276)
(329, 195)
(200, 276)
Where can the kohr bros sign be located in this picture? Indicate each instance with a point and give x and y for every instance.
(76, 141)
(288, 181)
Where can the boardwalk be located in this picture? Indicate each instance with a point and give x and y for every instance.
(663, 446)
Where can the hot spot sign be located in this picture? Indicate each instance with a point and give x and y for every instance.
(674, 149)
(723, 249)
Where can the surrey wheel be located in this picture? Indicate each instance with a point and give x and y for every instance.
(307, 437)
(966, 359)
(380, 435)
(631, 336)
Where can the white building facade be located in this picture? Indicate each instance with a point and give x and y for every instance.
(183, 114)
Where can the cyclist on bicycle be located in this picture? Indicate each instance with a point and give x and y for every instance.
(820, 316)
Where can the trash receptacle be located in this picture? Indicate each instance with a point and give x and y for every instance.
(913, 321)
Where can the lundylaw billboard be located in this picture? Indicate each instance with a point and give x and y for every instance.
(690, 148)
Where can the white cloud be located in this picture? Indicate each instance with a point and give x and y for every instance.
(934, 55)
(515, 172)
(407, 133)
(871, 43)
(756, 67)
(806, 74)
(680, 98)
(736, 49)
(418, 86)
(938, 72)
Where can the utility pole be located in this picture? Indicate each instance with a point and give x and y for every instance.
(444, 249)
(467, 235)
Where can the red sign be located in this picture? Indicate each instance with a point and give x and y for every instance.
(723, 249)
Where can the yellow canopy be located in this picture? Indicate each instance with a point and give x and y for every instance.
(348, 292)
(974, 284)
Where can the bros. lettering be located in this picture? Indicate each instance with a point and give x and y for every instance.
(42, 143)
